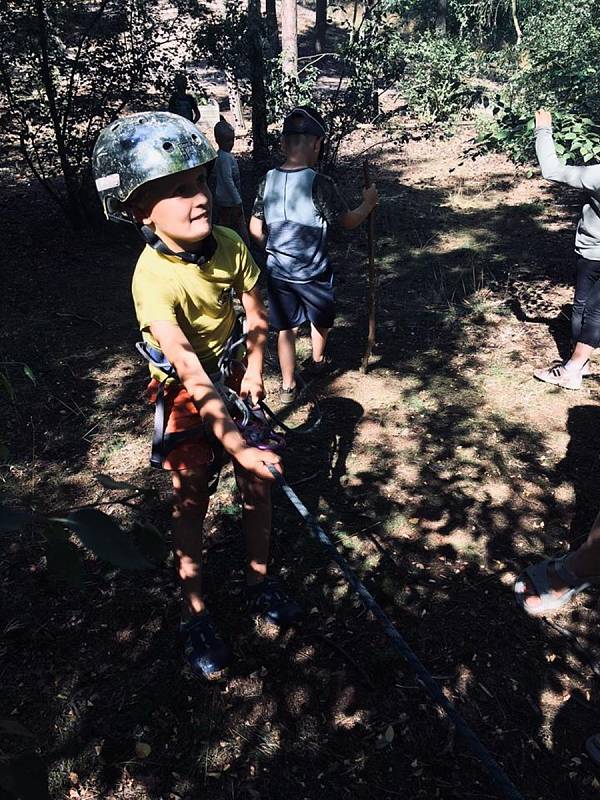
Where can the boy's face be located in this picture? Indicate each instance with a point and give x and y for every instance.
(178, 208)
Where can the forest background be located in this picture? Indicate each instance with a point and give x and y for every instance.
(442, 472)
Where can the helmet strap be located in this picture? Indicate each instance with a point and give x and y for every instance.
(200, 257)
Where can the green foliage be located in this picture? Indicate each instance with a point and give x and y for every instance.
(103, 536)
(67, 69)
(556, 67)
(283, 91)
(370, 61)
(437, 79)
(577, 139)
(222, 39)
(139, 549)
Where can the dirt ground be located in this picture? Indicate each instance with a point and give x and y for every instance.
(440, 474)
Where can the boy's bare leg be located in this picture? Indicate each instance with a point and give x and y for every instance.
(586, 560)
(189, 510)
(580, 355)
(585, 563)
(319, 341)
(256, 521)
(286, 350)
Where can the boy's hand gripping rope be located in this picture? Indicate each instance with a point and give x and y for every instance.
(495, 772)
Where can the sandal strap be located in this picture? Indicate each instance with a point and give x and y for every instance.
(565, 573)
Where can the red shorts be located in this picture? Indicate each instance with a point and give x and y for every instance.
(181, 415)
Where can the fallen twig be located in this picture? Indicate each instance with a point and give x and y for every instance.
(363, 675)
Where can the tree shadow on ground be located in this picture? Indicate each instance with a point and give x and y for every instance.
(434, 495)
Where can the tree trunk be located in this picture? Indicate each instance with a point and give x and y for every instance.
(73, 199)
(440, 17)
(235, 103)
(260, 146)
(272, 27)
(321, 27)
(515, 19)
(289, 38)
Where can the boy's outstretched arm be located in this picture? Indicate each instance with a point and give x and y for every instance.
(586, 178)
(257, 230)
(258, 329)
(352, 219)
(176, 347)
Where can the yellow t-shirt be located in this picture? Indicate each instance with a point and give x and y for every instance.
(195, 297)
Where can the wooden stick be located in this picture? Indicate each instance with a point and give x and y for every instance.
(372, 276)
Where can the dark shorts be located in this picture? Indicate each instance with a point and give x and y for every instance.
(291, 304)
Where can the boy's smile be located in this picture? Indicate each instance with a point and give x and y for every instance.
(178, 208)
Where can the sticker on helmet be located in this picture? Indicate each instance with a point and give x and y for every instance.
(108, 182)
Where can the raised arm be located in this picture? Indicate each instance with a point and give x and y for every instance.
(585, 178)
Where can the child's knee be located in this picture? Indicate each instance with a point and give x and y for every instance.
(256, 493)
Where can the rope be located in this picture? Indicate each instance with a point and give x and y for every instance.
(495, 772)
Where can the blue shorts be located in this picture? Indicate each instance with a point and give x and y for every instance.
(291, 304)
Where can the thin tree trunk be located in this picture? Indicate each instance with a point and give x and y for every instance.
(71, 189)
(272, 27)
(372, 279)
(321, 27)
(515, 19)
(440, 17)
(260, 146)
(289, 38)
(235, 102)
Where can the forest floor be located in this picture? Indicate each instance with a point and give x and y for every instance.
(441, 474)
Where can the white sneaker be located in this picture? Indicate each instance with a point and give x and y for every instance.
(559, 376)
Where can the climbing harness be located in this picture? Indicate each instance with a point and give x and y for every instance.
(257, 424)
(495, 772)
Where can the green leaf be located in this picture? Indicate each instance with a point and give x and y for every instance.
(110, 483)
(13, 727)
(105, 538)
(588, 157)
(63, 557)
(25, 777)
(6, 387)
(13, 520)
(27, 370)
(559, 148)
(150, 541)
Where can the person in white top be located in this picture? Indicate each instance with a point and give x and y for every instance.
(228, 195)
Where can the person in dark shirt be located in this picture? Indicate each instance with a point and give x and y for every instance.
(181, 102)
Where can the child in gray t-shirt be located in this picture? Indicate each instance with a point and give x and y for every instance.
(585, 316)
(228, 188)
(293, 210)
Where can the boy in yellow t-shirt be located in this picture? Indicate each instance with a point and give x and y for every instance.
(151, 169)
